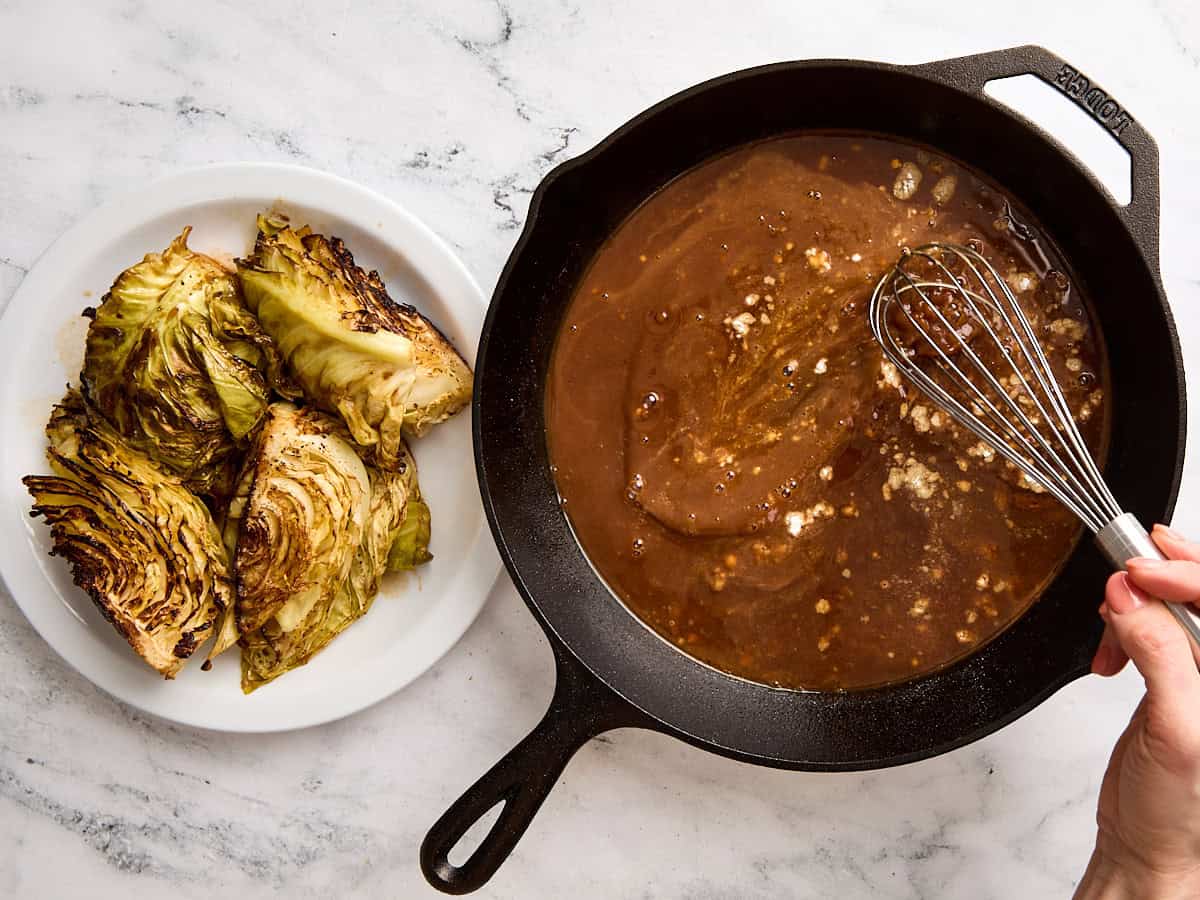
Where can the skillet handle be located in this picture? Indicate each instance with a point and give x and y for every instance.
(972, 73)
(582, 708)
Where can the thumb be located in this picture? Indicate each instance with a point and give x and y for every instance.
(1158, 647)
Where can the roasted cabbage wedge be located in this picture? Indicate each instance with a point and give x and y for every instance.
(299, 512)
(138, 541)
(179, 366)
(279, 646)
(381, 366)
(184, 368)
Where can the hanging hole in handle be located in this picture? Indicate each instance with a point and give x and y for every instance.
(1056, 114)
(461, 853)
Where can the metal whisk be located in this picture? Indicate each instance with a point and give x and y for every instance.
(951, 324)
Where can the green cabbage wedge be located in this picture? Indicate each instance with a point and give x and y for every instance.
(138, 541)
(283, 644)
(299, 512)
(179, 366)
(380, 365)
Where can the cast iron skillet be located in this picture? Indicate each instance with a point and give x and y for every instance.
(614, 672)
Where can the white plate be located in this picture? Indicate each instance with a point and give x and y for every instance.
(416, 618)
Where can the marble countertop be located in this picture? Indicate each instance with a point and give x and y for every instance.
(456, 109)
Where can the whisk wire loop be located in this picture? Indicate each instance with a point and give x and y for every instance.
(1029, 349)
(979, 398)
(1063, 422)
(1022, 413)
(1043, 443)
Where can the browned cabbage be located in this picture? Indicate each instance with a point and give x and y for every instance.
(389, 540)
(380, 365)
(179, 366)
(177, 388)
(299, 513)
(144, 547)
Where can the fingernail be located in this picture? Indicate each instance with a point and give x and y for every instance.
(1127, 600)
(1169, 532)
(1147, 564)
(1102, 661)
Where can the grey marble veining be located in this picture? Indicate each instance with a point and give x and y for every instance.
(457, 109)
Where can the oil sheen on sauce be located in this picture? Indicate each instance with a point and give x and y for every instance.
(742, 466)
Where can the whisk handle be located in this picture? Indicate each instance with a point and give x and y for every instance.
(1124, 538)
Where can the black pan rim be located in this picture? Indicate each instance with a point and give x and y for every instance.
(529, 232)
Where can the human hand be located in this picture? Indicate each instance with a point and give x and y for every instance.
(1148, 842)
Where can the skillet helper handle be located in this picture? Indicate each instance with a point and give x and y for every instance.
(582, 708)
(972, 73)
(1124, 538)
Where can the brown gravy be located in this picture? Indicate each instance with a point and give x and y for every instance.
(740, 463)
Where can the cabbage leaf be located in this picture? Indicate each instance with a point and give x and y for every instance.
(179, 366)
(138, 541)
(280, 646)
(380, 365)
(299, 512)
